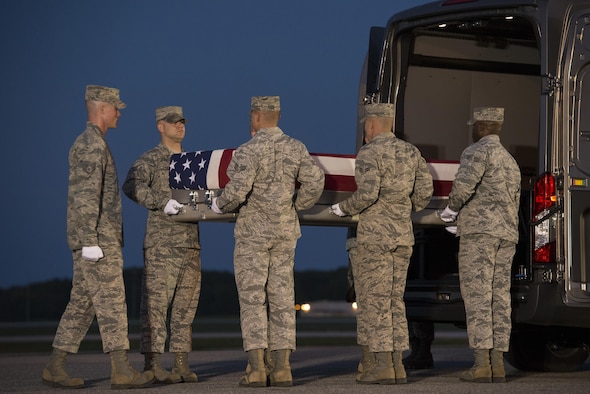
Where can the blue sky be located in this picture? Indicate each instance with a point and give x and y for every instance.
(208, 57)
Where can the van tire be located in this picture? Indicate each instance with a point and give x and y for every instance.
(547, 349)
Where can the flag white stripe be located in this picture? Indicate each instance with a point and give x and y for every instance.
(213, 169)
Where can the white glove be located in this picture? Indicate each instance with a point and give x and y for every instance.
(172, 207)
(335, 209)
(214, 207)
(92, 253)
(451, 229)
(448, 215)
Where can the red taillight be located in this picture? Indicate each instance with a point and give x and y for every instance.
(545, 254)
(544, 229)
(545, 196)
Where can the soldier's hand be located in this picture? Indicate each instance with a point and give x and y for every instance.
(92, 253)
(448, 215)
(214, 206)
(335, 209)
(172, 207)
(451, 229)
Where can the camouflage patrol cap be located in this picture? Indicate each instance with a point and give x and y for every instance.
(170, 114)
(487, 114)
(266, 103)
(105, 95)
(381, 110)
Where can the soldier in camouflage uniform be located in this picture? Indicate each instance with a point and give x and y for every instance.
(172, 261)
(485, 198)
(392, 180)
(95, 236)
(263, 174)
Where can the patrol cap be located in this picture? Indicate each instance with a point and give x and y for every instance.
(380, 110)
(487, 114)
(266, 103)
(170, 114)
(105, 95)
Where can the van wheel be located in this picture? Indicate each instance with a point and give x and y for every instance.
(548, 349)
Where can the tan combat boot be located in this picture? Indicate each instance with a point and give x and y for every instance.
(152, 363)
(481, 372)
(367, 362)
(398, 365)
(181, 368)
(382, 372)
(55, 375)
(280, 375)
(123, 376)
(255, 370)
(498, 371)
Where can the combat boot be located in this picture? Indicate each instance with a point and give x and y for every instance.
(398, 366)
(421, 358)
(255, 370)
(152, 363)
(367, 362)
(55, 375)
(481, 372)
(382, 371)
(182, 370)
(498, 371)
(280, 375)
(123, 376)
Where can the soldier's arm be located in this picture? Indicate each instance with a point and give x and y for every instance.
(138, 186)
(311, 179)
(368, 183)
(469, 174)
(423, 186)
(241, 172)
(87, 180)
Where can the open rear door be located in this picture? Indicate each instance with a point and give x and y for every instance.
(577, 183)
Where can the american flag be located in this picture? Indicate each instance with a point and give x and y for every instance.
(199, 170)
(206, 170)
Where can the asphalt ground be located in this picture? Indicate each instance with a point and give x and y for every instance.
(316, 369)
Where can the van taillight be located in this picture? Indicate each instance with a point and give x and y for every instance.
(545, 196)
(544, 229)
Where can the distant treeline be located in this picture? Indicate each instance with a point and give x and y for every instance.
(46, 301)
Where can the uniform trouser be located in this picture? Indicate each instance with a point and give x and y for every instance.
(380, 282)
(264, 279)
(423, 331)
(484, 272)
(97, 290)
(170, 291)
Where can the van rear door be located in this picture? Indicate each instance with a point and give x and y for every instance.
(576, 154)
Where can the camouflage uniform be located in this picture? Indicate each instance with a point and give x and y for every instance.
(392, 179)
(486, 193)
(263, 173)
(172, 262)
(94, 218)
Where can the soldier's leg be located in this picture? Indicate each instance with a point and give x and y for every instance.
(501, 303)
(186, 300)
(281, 297)
(374, 287)
(183, 310)
(401, 261)
(79, 312)
(251, 262)
(107, 290)
(154, 300)
(476, 260)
